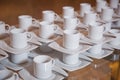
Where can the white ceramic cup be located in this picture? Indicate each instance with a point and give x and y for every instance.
(70, 59)
(107, 14)
(19, 38)
(49, 16)
(118, 9)
(71, 39)
(47, 29)
(114, 4)
(100, 4)
(71, 22)
(25, 21)
(43, 65)
(95, 32)
(108, 26)
(68, 11)
(84, 8)
(90, 18)
(4, 27)
(96, 49)
(115, 32)
(19, 58)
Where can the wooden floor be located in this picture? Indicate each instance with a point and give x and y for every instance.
(11, 9)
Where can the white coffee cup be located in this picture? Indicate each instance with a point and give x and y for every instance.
(68, 11)
(47, 29)
(100, 4)
(70, 59)
(118, 9)
(90, 18)
(19, 58)
(71, 22)
(84, 8)
(96, 49)
(115, 32)
(19, 38)
(25, 21)
(114, 4)
(4, 27)
(71, 39)
(107, 14)
(95, 32)
(49, 16)
(108, 26)
(43, 65)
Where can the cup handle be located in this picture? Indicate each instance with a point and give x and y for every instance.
(35, 22)
(57, 16)
(55, 27)
(53, 62)
(29, 36)
(78, 21)
(7, 27)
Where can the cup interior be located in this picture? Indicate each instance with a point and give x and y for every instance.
(42, 59)
(71, 31)
(24, 16)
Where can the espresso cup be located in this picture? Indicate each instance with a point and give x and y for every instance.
(71, 59)
(114, 4)
(71, 22)
(96, 49)
(4, 27)
(115, 41)
(100, 4)
(90, 18)
(68, 11)
(25, 21)
(47, 29)
(107, 14)
(95, 32)
(49, 16)
(19, 38)
(19, 58)
(71, 39)
(84, 8)
(42, 66)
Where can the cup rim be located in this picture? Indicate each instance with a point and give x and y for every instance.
(38, 59)
(24, 16)
(17, 31)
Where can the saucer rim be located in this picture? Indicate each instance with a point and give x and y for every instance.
(82, 64)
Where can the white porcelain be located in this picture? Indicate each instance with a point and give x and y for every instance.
(118, 9)
(3, 55)
(84, 8)
(59, 48)
(115, 32)
(25, 21)
(90, 18)
(11, 50)
(114, 3)
(95, 32)
(96, 49)
(19, 58)
(4, 27)
(107, 14)
(68, 11)
(49, 16)
(100, 4)
(47, 30)
(81, 64)
(19, 38)
(70, 59)
(71, 39)
(108, 26)
(71, 22)
(104, 53)
(43, 65)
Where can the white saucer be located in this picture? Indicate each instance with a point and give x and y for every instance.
(114, 46)
(80, 49)
(3, 55)
(105, 52)
(80, 65)
(106, 38)
(9, 49)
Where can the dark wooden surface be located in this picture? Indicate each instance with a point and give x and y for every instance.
(11, 9)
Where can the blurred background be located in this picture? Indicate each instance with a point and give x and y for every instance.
(11, 9)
